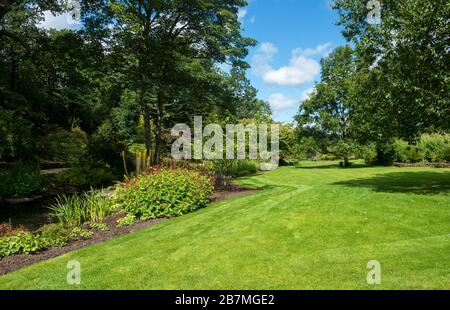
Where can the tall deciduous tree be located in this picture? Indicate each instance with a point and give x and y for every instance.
(163, 37)
(404, 66)
(328, 110)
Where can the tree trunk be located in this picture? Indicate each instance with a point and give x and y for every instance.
(158, 128)
(346, 162)
(147, 125)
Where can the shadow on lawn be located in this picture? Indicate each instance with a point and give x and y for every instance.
(332, 166)
(420, 183)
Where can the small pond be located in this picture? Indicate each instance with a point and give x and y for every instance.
(30, 215)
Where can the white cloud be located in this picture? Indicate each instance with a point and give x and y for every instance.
(58, 22)
(321, 49)
(253, 19)
(302, 68)
(308, 93)
(241, 14)
(268, 49)
(280, 102)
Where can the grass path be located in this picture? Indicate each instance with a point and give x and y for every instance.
(313, 227)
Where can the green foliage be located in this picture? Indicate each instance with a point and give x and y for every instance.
(99, 226)
(56, 235)
(327, 112)
(21, 180)
(16, 138)
(74, 210)
(165, 193)
(369, 154)
(345, 148)
(306, 149)
(285, 225)
(22, 243)
(87, 173)
(432, 148)
(328, 157)
(28, 243)
(127, 220)
(6, 229)
(63, 145)
(242, 167)
(403, 77)
(407, 153)
(140, 158)
(79, 232)
(287, 139)
(223, 171)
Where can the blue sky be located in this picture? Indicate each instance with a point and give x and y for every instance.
(292, 35)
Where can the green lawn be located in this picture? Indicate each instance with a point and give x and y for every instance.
(313, 227)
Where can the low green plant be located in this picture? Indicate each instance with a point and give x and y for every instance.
(56, 235)
(79, 232)
(99, 226)
(223, 171)
(244, 167)
(128, 220)
(21, 180)
(74, 210)
(22, 243)
(165, 193)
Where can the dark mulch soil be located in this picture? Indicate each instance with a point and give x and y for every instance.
(229, 192)
(15, 262)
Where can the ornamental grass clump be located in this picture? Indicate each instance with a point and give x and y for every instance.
(74, 210)
(165, 193)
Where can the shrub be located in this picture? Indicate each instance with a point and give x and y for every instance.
(87, 173)
(369, 154)
(21, 180)
(63, 145)
(165, 193)
(75, 210)
(446, 153)
(401, 149)
(434, 146)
